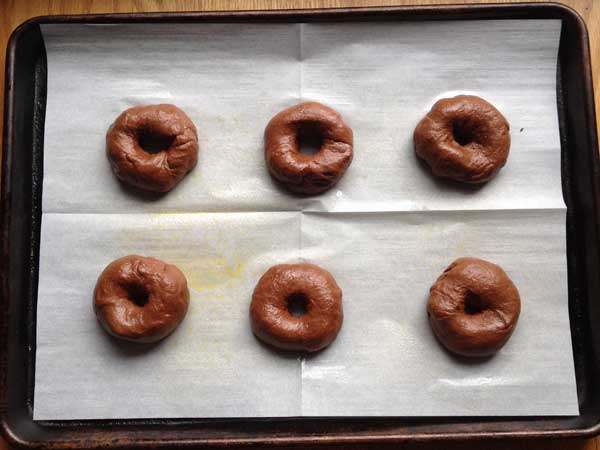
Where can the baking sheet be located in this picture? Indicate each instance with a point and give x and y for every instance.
(386, 231)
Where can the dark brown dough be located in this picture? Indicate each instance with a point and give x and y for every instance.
(298, 172)
(308, 286)
(141, 299)
(169, 134)
(463, 138)
(473, 307)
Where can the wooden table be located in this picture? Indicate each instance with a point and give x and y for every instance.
(14, 12)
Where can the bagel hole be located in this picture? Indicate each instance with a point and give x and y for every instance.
(297, 304)
(137, 294)
(153, 143)
(464, 132)
(309, 138)
(473, 304)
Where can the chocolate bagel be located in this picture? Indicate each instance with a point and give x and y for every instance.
(281, 292)
(140, 299)
(464, 139)
(152, 147)
(473, 307)
(299, 172)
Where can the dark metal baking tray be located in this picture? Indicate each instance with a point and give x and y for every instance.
(22, 174)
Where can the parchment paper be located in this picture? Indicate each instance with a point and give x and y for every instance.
(231, 79)
(385, 232)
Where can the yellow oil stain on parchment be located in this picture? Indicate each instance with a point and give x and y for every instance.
(215, 272)
(215, 267)
(214, 283)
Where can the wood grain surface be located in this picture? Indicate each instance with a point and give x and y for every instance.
(14, 12)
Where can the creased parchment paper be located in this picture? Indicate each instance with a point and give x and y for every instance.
(385, 232)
